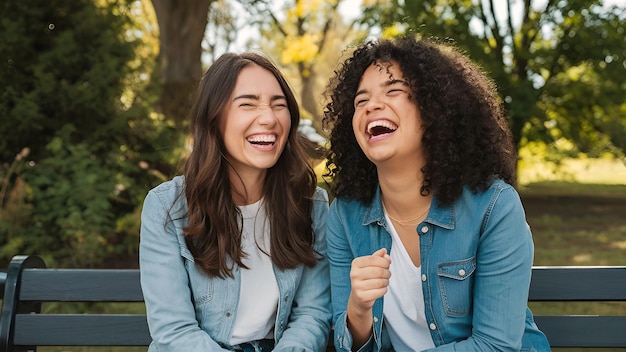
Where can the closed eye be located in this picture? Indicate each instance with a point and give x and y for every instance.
(247, 105)
(396, 86)
(246, 101)
(280, 106)
(360, 102)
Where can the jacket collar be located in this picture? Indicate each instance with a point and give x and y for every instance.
(442, 216)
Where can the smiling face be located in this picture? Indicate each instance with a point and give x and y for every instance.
(255, 123)
(386, 121)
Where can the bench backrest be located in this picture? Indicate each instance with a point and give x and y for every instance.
(28, 284)
(581, 284)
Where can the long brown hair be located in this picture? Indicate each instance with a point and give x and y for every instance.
(213, 233)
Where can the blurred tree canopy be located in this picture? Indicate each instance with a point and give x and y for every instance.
(560, 65)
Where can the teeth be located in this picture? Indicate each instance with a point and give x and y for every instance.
(381, 123)
(262, 138)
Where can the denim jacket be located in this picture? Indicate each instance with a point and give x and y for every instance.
(476, 261)
(189, 311)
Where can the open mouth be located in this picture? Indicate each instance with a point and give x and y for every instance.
(262, 139)
(380, 127)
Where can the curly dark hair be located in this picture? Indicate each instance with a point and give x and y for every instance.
(213, 234)
(466, 136)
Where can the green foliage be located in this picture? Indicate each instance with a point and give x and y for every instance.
(73, 187)
(64, 60)
(563, 161)
(73, 93)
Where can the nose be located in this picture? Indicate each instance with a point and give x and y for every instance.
(267, 116)
(374, 103)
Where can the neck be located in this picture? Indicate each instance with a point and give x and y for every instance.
(401, 194)
(247, 188)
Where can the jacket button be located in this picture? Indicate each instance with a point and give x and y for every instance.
(432, 326)
(424, 229)
(462, 272)
(423, 277)
(228, 314)
(375, 319)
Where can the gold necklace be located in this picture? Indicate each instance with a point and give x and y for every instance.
(407, 222)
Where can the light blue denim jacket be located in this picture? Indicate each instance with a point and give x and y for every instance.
(188, 311)
(476, 260)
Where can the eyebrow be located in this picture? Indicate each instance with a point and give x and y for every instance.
(256, 97)
(384, 84)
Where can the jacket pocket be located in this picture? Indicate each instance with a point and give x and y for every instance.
(455, 284)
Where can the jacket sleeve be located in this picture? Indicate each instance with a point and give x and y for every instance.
(340, 254)
(309, 321)
(165, 284)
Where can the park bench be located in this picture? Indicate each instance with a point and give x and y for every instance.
(23, 325)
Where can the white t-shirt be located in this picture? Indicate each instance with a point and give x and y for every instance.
(258, 296)
(404, 301)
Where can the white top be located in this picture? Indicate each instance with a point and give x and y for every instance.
(403, 309)
(258, 298)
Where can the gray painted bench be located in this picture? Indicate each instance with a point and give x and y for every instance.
(28, 284)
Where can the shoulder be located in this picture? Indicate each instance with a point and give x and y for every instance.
(497, 188)
(342, 203)
(169, 194)
(348, 208)
(320, 195)
(502, 190)
(171, 187)
(499, 185)
(499, 197)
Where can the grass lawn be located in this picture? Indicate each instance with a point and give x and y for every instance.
(579, 219)
(576, 224)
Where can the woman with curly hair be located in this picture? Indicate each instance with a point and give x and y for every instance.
(233, 252)
(427, 238)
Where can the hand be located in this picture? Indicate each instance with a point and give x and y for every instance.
(370, 277)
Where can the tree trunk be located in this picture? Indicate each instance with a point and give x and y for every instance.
(181, 28)
(309, 101)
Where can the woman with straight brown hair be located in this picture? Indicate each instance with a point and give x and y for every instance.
(233, 252)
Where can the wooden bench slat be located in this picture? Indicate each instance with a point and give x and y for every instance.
(81, 330)
(583, 331)
(578, 284)
(81, 285)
